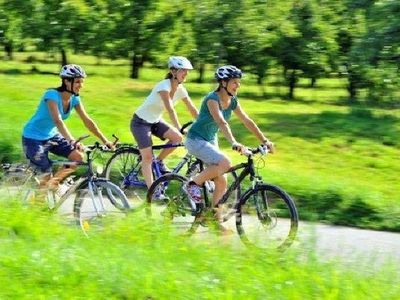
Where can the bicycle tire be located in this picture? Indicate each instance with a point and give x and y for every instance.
(175, 209)
(227, 209)
(124, 170)
(99, 202)
(267, 218)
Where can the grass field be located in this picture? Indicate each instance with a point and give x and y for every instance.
(137, 259)
(340, 162)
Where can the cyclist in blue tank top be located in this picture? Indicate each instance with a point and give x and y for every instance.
(46, 131)
(215, 112)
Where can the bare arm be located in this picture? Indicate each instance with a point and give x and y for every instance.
(252, 127)
(55, 115)
(170, 108)
(213, 107)
(90, 124)
(191, 107)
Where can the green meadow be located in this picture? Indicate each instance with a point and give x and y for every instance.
(339, 161)
(135, 258)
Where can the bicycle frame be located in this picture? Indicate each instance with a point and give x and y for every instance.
(131, 180)
(248, 169)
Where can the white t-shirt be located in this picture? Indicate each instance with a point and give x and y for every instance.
(153, 107)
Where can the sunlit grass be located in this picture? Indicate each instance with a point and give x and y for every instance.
(137, 258)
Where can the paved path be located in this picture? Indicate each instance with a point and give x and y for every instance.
(346, 244)
(351, 244)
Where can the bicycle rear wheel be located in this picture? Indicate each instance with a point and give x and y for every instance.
(14, 178)
(173, 207)
(267, 218)
(124, 169)
(98, 203)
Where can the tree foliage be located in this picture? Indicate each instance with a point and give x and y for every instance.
(303, 38)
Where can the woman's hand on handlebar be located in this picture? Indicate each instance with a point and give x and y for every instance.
(77, 145)
(110, 145)
(239, 148)
(270, 145)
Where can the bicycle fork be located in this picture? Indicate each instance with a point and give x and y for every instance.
(96, 193)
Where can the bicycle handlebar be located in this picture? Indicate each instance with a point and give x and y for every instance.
(98, 146)
(260, 149)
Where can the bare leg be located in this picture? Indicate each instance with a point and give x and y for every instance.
(212, 171)
(64, 171)
(220, 188)
(147, 160)
(174, 137)
(59, 176)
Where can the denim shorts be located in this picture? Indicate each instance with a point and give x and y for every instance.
(142, 131)
(38, 151)
(208, 152)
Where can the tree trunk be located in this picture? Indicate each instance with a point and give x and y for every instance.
(136, 63)
(292, 84)
(63, 57)
(313, 81)
(8, 48)
(353, 84)
(352, 89)
(260, 79)
(201, 73)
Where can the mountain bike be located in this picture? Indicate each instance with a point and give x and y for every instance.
(265, 215)
(124, 169)
(95, 200)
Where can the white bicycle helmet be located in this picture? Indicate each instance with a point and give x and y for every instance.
(179, 62)
(228, 72)
(72, 71)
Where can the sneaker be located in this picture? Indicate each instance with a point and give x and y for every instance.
(163, 168)
(194, 193)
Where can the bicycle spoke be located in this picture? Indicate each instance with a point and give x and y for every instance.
(100, 205)
(267, 219)
(169, 202)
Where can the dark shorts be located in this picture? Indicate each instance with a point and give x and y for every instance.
(142, 131)
(38, 151)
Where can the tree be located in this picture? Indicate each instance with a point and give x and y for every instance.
(139, 26)
(306, 46)
(52, 24)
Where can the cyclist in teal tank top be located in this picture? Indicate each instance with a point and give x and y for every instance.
(205, 126)
(202, 141)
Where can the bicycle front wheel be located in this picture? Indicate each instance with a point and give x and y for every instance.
(267, 218)
(124, 169)
(169, 202)
(98, 203)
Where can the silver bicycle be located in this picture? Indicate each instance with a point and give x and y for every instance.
(95, 200)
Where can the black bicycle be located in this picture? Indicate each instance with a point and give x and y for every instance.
(266, 216)
(124, 169)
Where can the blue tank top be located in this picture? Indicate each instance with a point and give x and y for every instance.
(205, 127)
(41, 125)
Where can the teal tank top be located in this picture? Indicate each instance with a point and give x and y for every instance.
(205, 127)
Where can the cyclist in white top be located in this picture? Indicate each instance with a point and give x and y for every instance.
(147, 119)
